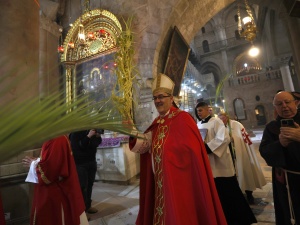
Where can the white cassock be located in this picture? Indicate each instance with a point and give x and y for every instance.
(217, 139)
(248, 170)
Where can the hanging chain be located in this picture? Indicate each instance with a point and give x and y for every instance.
(86, 6)
(239, 17)
(249, 11)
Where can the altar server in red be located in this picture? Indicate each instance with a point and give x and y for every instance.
(57, 195)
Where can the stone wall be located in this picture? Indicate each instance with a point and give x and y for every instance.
(15, 192)
(253, 93)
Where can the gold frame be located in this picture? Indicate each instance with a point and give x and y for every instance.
(92, 21)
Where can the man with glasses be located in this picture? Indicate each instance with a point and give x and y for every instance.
(280, 147)
(176, 183)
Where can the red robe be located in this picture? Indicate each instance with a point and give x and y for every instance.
(182, 191)
(2, 219)
(58, 186)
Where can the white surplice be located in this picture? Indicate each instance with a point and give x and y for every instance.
(248, 169)
(217, 139)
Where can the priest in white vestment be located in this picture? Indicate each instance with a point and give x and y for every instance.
(248, 169)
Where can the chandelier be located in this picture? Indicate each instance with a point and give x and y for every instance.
(246, 26)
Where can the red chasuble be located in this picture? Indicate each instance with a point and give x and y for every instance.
(58, 188)
(179, 189)
(2, 219)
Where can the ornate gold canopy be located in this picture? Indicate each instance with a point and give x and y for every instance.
(100, 28)
(97, 60)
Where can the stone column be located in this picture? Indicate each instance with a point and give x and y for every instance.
(293, 28)
(70, 83)
(222, 38)
(286, 78)
(50, 32)
(19, 44)
(19, 61)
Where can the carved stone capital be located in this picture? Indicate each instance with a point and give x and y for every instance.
(50, 26)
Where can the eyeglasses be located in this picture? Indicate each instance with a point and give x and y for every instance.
(286, 102)
(160, 97)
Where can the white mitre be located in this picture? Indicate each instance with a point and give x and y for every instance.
(143, 143)
(163, 83)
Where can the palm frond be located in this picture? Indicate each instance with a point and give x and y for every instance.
(220, 86)
(32, 122)
(126, 71)
(28, 121)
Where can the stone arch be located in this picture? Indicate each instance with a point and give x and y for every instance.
(254, 64)
(239, 109)
(210, 87)
(205, 46)
(260, 115)
(209, 34)
(180, 16)
(211, 67)
(203, 30)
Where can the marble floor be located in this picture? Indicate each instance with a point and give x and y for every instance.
(119, 204)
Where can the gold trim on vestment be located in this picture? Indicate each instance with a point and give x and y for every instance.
(157, 151)
(34, 217)
(69, 145)
(43, 176)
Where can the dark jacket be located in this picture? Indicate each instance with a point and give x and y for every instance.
(84, 148)
(287, 158)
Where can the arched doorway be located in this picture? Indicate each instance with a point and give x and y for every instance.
(260, 115)
(239, 109)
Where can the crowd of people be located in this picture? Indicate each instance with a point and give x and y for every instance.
(191, 172)
(232, 162)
